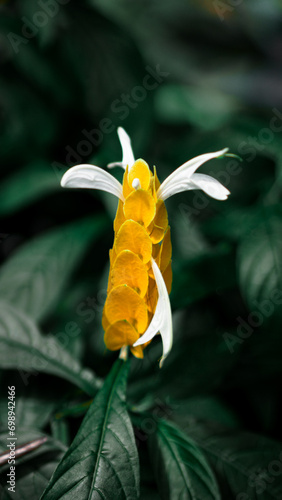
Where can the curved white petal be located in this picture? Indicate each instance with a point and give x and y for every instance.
(210, 186)
(127, 153)
(162, 319)
(117, 164)
(92, 177)
(180, 179)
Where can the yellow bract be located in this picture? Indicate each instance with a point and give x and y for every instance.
(161, 219)
(156, 234)
(167, 276)
(124, 303)
(120, 218)
(141, 171)
(152, 295)
(132, 236)
(126, 188)
(157, 182)
(166, 251)
(138, 351)
(129, 269)
(140, 206)
(105, 322)
(120, 333)
(158, 226)
(141, 233)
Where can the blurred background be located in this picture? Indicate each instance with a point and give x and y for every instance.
(183, 78)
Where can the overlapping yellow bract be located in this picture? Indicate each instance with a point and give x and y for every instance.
(141, 232)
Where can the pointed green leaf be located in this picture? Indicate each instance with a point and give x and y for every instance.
(23, 347)
(247, 466)
(181, 469)
(102, 462)
(211, 408)
(34, 277)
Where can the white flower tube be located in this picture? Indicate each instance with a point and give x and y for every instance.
(92, 177)
(127, 152)
(184, 179)
(162, 319)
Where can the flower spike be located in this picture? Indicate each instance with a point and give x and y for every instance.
(184, 179)
(92, 177)
(137, 306)
(162, 319)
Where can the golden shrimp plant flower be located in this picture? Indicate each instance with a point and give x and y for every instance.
(137, 306)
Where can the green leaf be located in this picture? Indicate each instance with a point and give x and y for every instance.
(102, 460)
(23, 347)
(208, 408)
(31, 478)
(245, 464)
(181, 469)
(259, 262)
(60, 430)
(35, 276)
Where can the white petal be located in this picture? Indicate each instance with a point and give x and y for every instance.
(180, 179)
(210, 186)
(162, 319)
(92, 177)
(127, 153)
(117, 164)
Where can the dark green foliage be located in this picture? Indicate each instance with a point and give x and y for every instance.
(180, 467)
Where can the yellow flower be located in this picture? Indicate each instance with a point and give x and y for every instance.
(137, 305)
